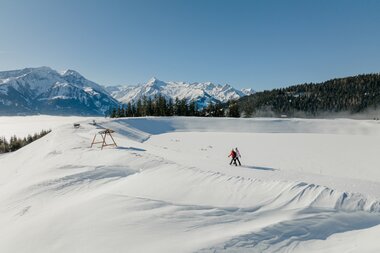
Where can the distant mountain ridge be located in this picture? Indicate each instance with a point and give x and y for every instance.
(45, 91)
(202, 93)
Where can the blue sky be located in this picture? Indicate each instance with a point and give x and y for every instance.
(257, 44)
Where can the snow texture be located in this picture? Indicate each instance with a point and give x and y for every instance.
(305, 185)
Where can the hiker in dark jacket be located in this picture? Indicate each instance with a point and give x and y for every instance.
(233, 157)
(238, 155)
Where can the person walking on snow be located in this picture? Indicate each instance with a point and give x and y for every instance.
(238, 155)
(233, 157)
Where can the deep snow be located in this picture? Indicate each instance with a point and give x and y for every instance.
(305, 185)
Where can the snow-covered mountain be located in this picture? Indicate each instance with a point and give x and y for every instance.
(44, 90)
(202, 93)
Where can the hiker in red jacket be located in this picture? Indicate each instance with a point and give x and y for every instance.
(233, 157)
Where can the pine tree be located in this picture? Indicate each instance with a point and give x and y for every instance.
(233, 109)
(129, 111)
(192, 108)
(170, 108)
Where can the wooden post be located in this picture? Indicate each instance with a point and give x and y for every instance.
(93, 141)
(103, 135)
(113, 140)
(104, 140)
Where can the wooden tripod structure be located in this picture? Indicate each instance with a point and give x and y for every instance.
(103, 134)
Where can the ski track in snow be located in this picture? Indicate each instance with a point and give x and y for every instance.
(168, 188)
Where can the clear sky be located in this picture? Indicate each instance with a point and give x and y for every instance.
(256, 44)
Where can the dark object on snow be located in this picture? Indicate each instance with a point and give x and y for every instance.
(104, 134)
(233, 157)
(76, 125)
(237, 159)
(237, 156)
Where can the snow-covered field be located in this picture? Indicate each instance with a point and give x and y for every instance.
(305, 186)
(21, 126)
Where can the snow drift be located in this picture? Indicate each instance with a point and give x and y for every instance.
(168, 187)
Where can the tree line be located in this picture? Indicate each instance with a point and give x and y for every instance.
(351, 94)
(161, 106)
(16, 143)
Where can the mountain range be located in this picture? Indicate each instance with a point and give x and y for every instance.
(46, 91)
(203, 93)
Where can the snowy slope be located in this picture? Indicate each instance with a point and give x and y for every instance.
(203, 93)
(305, 185)
(15, 125)
(44, 90)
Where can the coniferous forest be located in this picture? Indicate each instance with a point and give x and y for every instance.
(350, 95)
(16, 143)
(159, 106)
